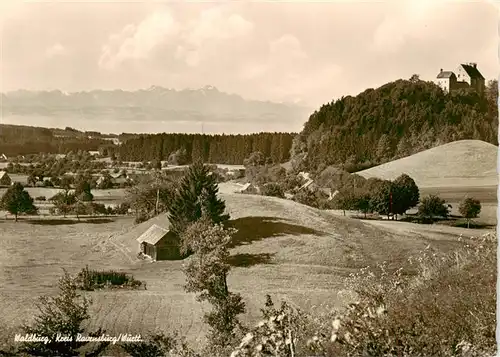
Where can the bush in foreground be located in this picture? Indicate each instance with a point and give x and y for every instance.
(160, 344)
(447, 308)
(437, 305)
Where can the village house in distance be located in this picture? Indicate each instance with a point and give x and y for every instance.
(467, 76)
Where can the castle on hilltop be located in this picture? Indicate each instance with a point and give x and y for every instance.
(468, 76)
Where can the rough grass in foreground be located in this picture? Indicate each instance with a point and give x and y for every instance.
(93, 279)
(436, 305)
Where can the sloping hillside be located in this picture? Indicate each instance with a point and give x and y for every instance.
(460, 163)
(282, 248)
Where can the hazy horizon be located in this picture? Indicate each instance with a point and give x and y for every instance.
(267, 51)
(310, 53)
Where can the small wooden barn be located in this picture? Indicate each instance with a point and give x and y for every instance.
(159, 244)
(249, 189)
(5, 179)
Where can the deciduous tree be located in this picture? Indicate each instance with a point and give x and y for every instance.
(206, 273)
(469, 208)
(64, 201)
(17, 200)
(433, 206)
(405, 194)
(381, 199)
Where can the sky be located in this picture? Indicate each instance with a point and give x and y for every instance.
(310, 52)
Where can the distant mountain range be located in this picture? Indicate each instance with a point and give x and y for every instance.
(152, 104)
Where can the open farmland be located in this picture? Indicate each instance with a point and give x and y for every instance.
(283, 248)
(464, 163)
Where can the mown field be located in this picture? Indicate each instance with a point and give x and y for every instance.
(283, 248)
(463, 163)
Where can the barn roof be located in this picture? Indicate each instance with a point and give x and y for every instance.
(245, 186)
(307, 184)
(446, 74)
(118, 175)
(304, 175)
(326, 190)
(153, 235)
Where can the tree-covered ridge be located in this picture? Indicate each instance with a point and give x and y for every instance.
(221, 149)
(23, 140)
(396, 120)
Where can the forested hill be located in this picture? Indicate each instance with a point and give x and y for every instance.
(220, 149)
(21, 140)
(395, 120)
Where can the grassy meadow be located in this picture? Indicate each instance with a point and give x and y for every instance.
(283, 248)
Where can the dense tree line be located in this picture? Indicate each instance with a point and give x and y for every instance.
(393, 121)
(22, 140)
(221, 149)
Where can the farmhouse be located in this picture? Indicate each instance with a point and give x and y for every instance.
(310, 185)
(467, 76)
(248, 188)
(304, 175)
(329, 193)
(55, 192)
(159, 244)
(119, 178)
(5, 179)
(100, 180)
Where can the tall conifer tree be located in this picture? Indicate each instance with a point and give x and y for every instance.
(197, 192)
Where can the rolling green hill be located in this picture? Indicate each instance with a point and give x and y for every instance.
(460, 163)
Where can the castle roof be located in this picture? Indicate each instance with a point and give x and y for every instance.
(446, 74)
(472, 71)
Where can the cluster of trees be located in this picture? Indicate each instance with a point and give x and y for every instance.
(151, 196)
(78, 202)
(382, 196)
(221, 149)
(396, 120)
(22, 140)
(46, 165)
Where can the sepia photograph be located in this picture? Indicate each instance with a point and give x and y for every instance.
(248, 178)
